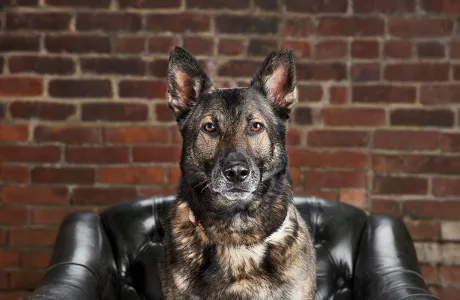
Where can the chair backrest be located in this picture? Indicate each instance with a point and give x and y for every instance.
(136, 228)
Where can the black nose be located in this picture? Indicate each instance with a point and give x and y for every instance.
(237, 172)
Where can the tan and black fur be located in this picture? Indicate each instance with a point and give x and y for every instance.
(233, 232)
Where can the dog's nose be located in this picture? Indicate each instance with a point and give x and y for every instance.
(237, 172)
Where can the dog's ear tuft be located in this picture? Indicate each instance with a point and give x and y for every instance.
(186, 81)
(276, 79)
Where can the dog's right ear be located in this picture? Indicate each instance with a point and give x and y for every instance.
(186, 81)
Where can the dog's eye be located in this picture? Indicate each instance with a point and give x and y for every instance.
(209, 128)
(256, 127)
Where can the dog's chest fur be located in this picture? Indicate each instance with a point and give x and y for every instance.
(275, 268)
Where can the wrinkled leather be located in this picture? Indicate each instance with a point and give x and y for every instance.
(115, 255)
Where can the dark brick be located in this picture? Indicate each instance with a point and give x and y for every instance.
(77, 44)
(238, 68)
(269, 5)
(19, 42)
(121, 66)
(109, 111)
(432, 209)
(136, 135)
(246, 24)
(97, 155)
(351, 26)
(354, 116)
(156, 154)
(398, 49)
(383, 94)
(420, 27)
(301, 49)
(405, 140)
(303, 116)
(321, 71)
(440, 94)
(130, 44)
(163, 113)
(49, 111)
(365, 49)
(109, 21)
(102, 196)
(299, 27)
(384, 6)
(400, 186)
(85, 88)
(162, 44)
(159, 68)
(334, 179)
(133, 175)
(338, 95)
(79, 3)
(199, 45)
(337, 138)
(416, 164)
(217, 4)
(310, 93)
(63, 175)
(331, 49)
(142, 89)
(150, 3)
(41, 65)
(422, 118)
(67, 135)
(10, 153)
(417, 72)
(231, 46)
(450, 142)
(335, 159)
(38, 21)
(430, 50)
(186, 22)
(10, 173)
(364, 72)
(262, 47)
(317, 6)
(440, 6)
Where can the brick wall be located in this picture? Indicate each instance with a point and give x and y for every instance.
(84, 123)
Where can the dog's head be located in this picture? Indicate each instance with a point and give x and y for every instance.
(234, 139)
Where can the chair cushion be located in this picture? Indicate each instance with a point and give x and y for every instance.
(136, 229)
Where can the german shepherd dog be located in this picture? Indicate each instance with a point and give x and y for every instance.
(233, 231)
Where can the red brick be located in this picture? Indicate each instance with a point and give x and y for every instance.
(331, 49)
(2, 236)
(111, 111)
(350, 26)
(185, 22)
(310, 93)
(156, 154)
(13, 153)
(337, 138)
(19, 42)
(446, 186)
(162, 44)
(163, 113)
(32, 237)
(9, 258)
(364, 72)
(14, 173)
(345, 159)
(432, 209)
(71, 43)
(13, 295)
(68, 135)
(4, 279)
(49, 21)
(79, 3)
(293, 137)
(420, 27)
(22, 2)
(159, 68)
(430, 50)
(365, 49)
(142, 89)
(25, 280)
(356, 198)
(423, 230)
(231, 46)
(51, 216)
(35, 260)
(400, 186)
(405, 140)
(354, 116)
(317, 6)
(317, 193)
(130, 44)
(383, 6)
(456, 72)
(422, 117)
(112, 66)
(131, 175)
(383, 94)
(102, 196)
(334, 179)
(97, 155)
(14, 133)
(424, 72)
(301, 49)
(338, 95)
(134, 135)
(150, 4)
(440, 94)
(269, 5)
(217, 4)
(144, 193)
(41, 65)
(390, 207)
(63, 175)
(299, 27)
(258, 47)
(109, 21)
(238, 68)
(450, 142)
(174, 176)
(449, 275)
(322, 71)
(246, 24)
(441, 6)
(13, 215)
(303, 116)
(295, 176)
(80, 88)
(418, 164)
(41, 110)
(398, 49)
(430, 273)
(199, 45)
(34, 195)
(455, 49)
(21, 86)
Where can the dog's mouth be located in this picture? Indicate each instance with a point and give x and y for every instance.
(236, 194)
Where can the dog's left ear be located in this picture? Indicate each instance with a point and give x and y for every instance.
(186, 81)
(276, 79)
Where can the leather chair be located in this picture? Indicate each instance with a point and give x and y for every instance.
(114, 255)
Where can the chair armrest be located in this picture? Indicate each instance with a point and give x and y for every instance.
(82, 266)
(387, 266)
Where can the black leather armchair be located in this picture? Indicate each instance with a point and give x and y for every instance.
(114, 255)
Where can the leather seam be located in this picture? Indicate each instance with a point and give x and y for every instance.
(77, 264)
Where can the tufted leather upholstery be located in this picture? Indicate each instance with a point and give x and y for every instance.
(114, 255)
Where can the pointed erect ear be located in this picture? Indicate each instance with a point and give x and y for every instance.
(276, 80)
(186, 81)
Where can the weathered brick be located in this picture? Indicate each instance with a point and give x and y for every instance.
(17, 153)
(406, 140)
(10, 173)
(449, 275)
(217, 4)
(417, 72)
(429, 164)
(41, 110)
(134, 135)
(365, 72)
(422, 117)
(383, 6)
(97, 155)
(440, 94)
(49, 21)
(338, 95)
(334, 179)
(109, 111)
(398, 49)
(159, 68)
(299, 27)
(163, 113)
(68, 135)
(258, 47)
(41, 65)
(345, 159)
(357, 198)
(430, 50)
(109, 21)
(317, 6)
(354, 116)
(303, 116)
(440, 6)
(365, 49)
(130, 44)
(14, 133)
(423, 230)
(71, 43)
(142, 89)
(63, 175)
(428, 252)
(13, 215)
(450, 142)
(79, 3)
(25, 279)
(118, 66)
(80, 88)
(450, 253)
(21, 86)
(310, 93)
(321, 71)
(454, 49)
(231, 46)
(446, 186)
(400, 186)
(9, 258)
(162, 44)
(430, 273)
(131, 175)
(432, 209)
(32, 237)
(246, 24)
(293, 137)
(450, 230)
(420, 27)
(35, 260)
(301, 49)
(238, 68)
(199, 45)
(185, 22)
(35, 195)
(337, 138)
(351, 26)
(385, 206)
(269, 5)
(383, 94)
(150, 4)
(156, 154)
(102, 196)
(19, 42)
